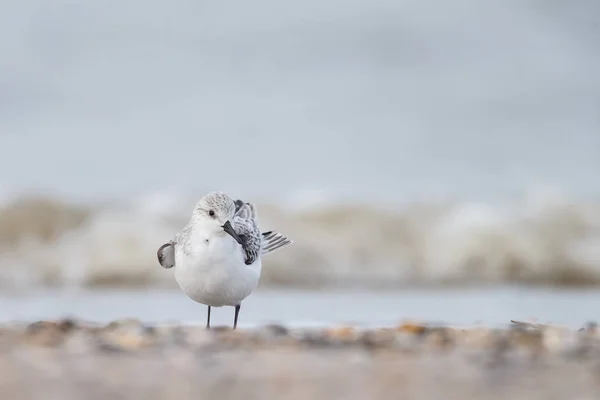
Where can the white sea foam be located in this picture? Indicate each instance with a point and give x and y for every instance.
(539, 240)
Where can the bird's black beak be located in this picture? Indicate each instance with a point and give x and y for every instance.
(229, 229)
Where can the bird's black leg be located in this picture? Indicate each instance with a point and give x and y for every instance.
(208, 319)
(237, 312)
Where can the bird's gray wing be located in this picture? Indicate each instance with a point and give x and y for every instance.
(256, 244)
(238, 204)
(245, 211)
(166, 255)
(251, 242)
(245, 225)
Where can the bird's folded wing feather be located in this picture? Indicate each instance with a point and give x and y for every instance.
(166, 255)
(255, 243)
(244, 224)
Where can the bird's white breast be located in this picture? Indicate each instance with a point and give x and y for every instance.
(210, 269)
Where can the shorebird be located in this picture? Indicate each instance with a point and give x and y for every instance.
(217, 255)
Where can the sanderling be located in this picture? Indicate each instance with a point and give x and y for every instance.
(217, 255)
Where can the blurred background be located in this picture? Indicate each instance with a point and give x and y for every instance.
(440, 159)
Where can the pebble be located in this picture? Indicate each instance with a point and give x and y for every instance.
(440, 338)
(126, 335)
(412, 328)
(47, 333)
(379, 338)
(272, 334)
(341, 335)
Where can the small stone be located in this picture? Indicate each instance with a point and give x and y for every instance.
(590, 328)
(566, 343)
(378, 338)
(412, 328)
(128, 334)
(195, 337)
(232, 337)
(344, 334)
(526, 343)
(67, 325)
(219, 329)
(167, 335)
(527, 325)
(38, 326)
(276, 330)
(553, 339)
(404, 341)
(44, 334)
(440, 338)
(317, 338)
(484, 339)
(271, 334)
(81, 341)
(499, 349)
(127, 323)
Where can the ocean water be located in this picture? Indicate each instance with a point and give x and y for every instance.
(491, 307)
(398, 143)
(548, 241)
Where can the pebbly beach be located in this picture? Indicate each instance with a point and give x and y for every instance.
(72, 359)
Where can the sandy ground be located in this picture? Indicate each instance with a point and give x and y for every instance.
(127, 360)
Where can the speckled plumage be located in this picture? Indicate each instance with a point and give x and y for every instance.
(244, 221)
(216, 201)
(246, 226)
(217, 255)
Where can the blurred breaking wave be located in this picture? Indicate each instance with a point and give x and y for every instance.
(537, 240)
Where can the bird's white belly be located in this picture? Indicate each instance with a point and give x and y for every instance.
(214, 273)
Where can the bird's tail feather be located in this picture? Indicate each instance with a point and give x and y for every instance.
(272, 241)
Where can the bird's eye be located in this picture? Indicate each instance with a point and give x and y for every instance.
(211, 213)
